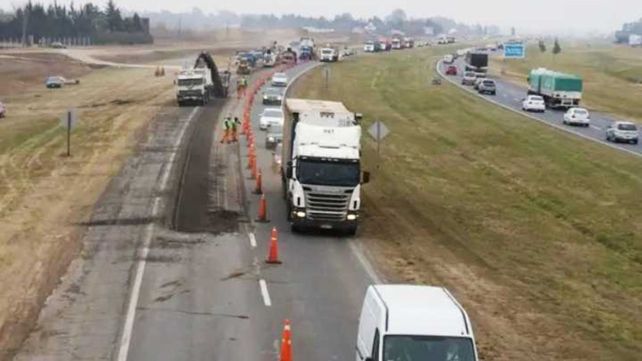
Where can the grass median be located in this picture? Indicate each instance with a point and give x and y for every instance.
(537, 232)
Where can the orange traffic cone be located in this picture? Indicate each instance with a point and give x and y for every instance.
(262, 210)
(254, 169)
(286, 342)
(258, 188)
(250, 161)
(273, 252)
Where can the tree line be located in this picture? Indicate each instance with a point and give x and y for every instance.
(61, 21)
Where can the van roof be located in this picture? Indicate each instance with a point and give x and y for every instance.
(423, 310)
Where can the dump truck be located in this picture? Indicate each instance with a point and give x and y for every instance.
(476, 61)
(306, 48)
(559, 90)
(322, 175)
(202, 82)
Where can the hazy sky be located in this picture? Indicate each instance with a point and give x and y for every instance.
(528, 15)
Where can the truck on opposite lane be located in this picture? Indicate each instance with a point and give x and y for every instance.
(559, 90)
(477, 62)
(321, 170)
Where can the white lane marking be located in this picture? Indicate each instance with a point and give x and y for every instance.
(134, 295)
(252, 240)
(265, 293)
(367, 266)
(595, 127)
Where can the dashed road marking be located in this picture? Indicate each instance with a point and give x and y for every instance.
(252, 240)
(595, 127)
(134, 295)
(264, 292)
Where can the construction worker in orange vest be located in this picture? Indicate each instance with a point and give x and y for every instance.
(227, 129)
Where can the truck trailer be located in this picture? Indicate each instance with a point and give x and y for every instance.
(322, 175)
(477, 62)
(559, 90)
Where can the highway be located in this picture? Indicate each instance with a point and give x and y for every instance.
(510, 96)
(221, 301)
(182, 275)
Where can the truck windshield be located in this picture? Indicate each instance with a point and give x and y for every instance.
(330, 173)
(427, 348)
(190, 82)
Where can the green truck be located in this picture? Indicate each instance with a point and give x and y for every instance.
(559, 90)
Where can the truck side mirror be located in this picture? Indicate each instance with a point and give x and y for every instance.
(358, 117)
(365, 178)
(288, 170)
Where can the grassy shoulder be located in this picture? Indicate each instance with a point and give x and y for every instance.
(612, 74)
(536, 231)
(45, 196)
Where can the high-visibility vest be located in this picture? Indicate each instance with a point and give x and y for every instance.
(227, 123)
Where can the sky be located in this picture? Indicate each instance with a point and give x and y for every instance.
(528, 16)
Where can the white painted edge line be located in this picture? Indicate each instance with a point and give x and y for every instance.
(264, 292)
(252, 240)
(595, 127)
(134, 295)
(556, 126)
(367, 266)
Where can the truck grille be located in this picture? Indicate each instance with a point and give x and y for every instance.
(323, 206)
(190, 93)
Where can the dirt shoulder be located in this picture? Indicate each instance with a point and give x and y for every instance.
(535, 231)
(45, 197)
(21, 71)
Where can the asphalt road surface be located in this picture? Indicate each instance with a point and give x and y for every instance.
(177, 272)
(511, 95)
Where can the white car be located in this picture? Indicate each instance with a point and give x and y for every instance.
(577, 116)
(449, 58)
(534, 103)
(279, 79)
(623, 132)
(271, 116)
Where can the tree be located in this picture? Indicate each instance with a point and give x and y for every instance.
(556, 47)
(396, 19)
(114, 19)
(542, 46)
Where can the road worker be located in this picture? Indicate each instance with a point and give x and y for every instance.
(234, 126)
(227, 129)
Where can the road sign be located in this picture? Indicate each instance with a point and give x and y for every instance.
(514, 50)
(378, 131)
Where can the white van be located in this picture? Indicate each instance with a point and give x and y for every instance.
(413, 323)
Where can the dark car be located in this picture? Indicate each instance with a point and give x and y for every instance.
(274, 136)
(487, 86)
(452, 70)
(54, 82)
(272, 97)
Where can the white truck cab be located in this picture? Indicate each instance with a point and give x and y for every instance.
(413, 323)
(328, 54)
(193, 85)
